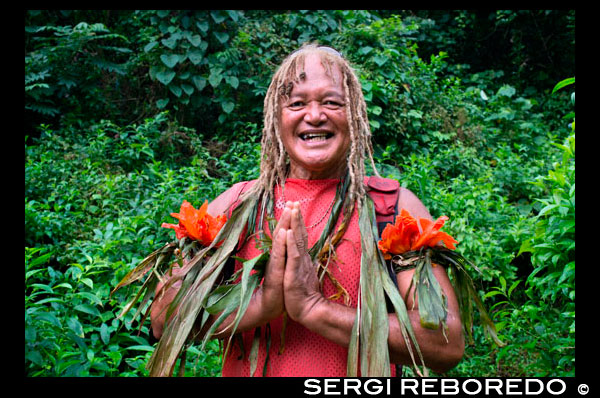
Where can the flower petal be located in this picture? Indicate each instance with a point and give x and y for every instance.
(431, 234)
(197, 224)
(180, 230)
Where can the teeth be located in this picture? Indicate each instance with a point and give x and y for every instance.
(315, 137)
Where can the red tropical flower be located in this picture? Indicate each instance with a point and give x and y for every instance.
(405, 235)
(196, 224)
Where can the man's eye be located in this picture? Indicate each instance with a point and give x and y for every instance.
(333, 104)
(296, 104)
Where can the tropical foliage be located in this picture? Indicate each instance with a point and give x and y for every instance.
(129, 113)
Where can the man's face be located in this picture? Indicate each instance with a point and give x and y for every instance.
(314, 125)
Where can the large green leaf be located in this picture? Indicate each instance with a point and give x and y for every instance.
(165, 77)
(170, 60)
(195, 56)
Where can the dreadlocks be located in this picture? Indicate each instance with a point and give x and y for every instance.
(274, 160)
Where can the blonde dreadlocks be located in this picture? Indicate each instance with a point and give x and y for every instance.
(274, 159)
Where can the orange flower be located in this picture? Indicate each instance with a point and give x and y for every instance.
(196, 224)
(397, 238)
(432, 235)
(405, 235)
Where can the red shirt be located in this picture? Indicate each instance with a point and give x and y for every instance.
(305, 354)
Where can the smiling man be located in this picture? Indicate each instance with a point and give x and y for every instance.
(316, 139)
(314, 124)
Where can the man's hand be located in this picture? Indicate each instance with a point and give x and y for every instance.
(300, 283)
(270, 294)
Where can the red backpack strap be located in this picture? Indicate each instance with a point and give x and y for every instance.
(385, 193)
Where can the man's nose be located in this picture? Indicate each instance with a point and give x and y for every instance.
(314, 113)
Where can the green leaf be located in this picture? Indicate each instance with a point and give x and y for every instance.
(141, 348)
(171, 42)
(217, 16)
(365, 50)
(88, 309)
(175, 89)
(150, 46)
(88, 282)
(195, 56)
(233, 81)
(39, 260)
(35, 357)
(227, 106)
(380, 59)
(90, 296)
(48, 317)
(187, 89)
(104, 333)
(75, 326)
(221, 36)
(195, 40)
(199, 82)
(169, 59)
(492, 293)
(373, 328)
(42, 286)
(215, 78)
(415, 114)
(233, 15)
(161, 103)
(65, 285)
(563, 83)
(506, 91)
(513, 286)
(376, 110)
(202, 25)
(526, 246)
(165, 77)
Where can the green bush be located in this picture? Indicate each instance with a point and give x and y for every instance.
(103, 173)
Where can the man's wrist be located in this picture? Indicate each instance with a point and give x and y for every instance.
(313, 314)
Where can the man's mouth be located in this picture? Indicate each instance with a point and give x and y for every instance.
(314, 137)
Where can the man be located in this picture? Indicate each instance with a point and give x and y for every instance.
(316, 134)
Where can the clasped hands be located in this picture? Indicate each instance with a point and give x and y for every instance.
(290, 283)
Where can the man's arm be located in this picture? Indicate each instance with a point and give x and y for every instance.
(266, 302)
(305, 303)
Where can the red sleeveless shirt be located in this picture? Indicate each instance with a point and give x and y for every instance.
(305, 354)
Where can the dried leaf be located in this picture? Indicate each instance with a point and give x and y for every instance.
(373, 328)
(196, 287)
(254, 351)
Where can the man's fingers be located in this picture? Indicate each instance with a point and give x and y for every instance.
(279, 248)
(293, 252)
(284, 222)
(297, 225)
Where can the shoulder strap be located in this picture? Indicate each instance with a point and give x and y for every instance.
(385, 193)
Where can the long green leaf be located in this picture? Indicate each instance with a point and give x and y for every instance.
(433, 307)
(248, 284)
(563, 83)
(373, 329)
(195, 290)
